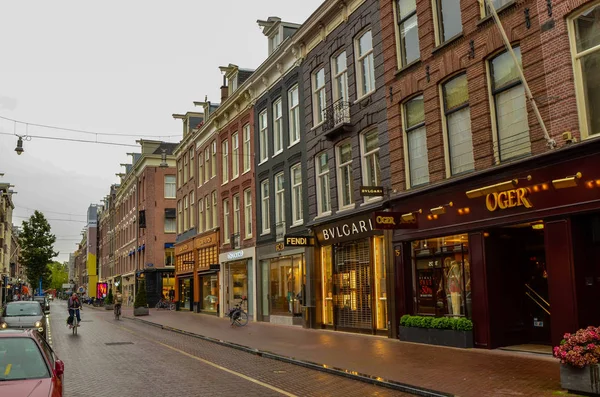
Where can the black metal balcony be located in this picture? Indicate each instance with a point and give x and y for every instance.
(337, 119)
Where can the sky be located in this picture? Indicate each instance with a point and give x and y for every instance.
(110, 67)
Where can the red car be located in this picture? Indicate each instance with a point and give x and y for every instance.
(28, 365)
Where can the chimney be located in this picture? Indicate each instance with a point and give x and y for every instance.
(224, 90)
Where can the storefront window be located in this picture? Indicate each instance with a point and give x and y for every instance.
(380, 286)
(168, 285)
(238, 278)
(210, 293)
(286, 285)
(265, 287)
(327, 285)
(185, 294)
(442, 276)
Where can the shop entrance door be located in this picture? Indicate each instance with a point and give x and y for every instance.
(186, 293)
(521, 299)
(352, 286)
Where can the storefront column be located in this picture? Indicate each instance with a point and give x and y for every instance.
(310, 301)
(196, 305)
(479, 291)
(561, 278)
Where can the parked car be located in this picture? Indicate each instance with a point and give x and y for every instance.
(28, 365)
(43, 300)
(24, 315)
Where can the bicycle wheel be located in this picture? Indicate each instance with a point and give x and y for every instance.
(241, 318)
(158, 305)
(74, 326)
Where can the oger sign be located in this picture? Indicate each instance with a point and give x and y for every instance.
(391, 220)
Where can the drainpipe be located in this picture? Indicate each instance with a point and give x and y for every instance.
(549, 141)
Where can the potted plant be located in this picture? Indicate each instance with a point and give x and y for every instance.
(442, 331)
(579, 354)
(140, 305)
(109, 301)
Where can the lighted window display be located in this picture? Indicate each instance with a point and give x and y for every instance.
(327, 285)
(210, 293)
(442, 276)
(286, 285)
(380, 280)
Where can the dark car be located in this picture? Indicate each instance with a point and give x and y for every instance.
(44, 302)
(24, 315)
(28, 365)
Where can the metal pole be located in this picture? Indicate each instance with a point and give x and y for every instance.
(549, 141)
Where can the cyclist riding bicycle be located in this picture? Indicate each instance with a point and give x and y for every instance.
(74, 304)
(118, 302)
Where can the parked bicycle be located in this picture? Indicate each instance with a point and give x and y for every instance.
(165, 304)
(237, 315)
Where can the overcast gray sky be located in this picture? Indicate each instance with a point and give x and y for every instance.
(121, 67)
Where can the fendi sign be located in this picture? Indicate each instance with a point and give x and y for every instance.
(346, 230)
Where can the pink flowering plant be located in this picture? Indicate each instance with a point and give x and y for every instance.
(581, 348)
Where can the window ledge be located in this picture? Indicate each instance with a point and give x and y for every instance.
(300, 223)
(317, 126)
(403, 69)
(265, 233)
(362, 98)
(247, 171)
(447, 43)
(294, 143)
(323, 215)
(224, 183)
(277, 153)
(248, 238)
(505, 7)
(371, 201)
(346, 209)
(263, 161)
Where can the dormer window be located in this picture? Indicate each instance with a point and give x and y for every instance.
(275, 40)
(233, 83)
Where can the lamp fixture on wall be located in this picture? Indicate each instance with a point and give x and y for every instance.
(410, 217)
(498, 187)
(570, 181)
(441, 209)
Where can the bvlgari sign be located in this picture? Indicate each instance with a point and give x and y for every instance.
(346, 230)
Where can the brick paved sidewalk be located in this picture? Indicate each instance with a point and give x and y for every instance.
(462, 372)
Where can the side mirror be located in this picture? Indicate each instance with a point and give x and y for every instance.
(59, 367)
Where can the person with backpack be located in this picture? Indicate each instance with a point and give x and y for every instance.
(73, 304)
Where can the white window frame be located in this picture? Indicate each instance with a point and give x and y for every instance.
(179, 173)
(297, 198)
(445, 112)
(192, 210)
(186, 214)
(400, 49)
(248, 213)
(200, 169)
(343, 168)
(277, 126)
(215, 208)
(406, 131)
(323, 176)
(362, 75)
(235, 155)
(493, 100)
(294, 115)
(319, 95)
(186, 174)
(201, 220)
(170, 225)
(192, 164)
(580, 91)
(265, 207)
(170, 186)
(366, 162)
(213, 164)
(226, 234)
(438, 20)
(225, 161)
(236, 213)
(208, 212)
(179, 217)
(263, 136)
(247, 150)
(339, 75)
(279, 199)
(206, 164)
(483, 6)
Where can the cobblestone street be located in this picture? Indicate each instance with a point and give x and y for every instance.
(125, 358)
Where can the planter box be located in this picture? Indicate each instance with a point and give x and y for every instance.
(109, 307)
(586, 380)
(141, 311)
(440, 337)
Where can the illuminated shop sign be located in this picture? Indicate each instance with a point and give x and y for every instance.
(371, 191)
(508, 199)
(298, 241)
(346, 230)
(235, 255)
(392, 220)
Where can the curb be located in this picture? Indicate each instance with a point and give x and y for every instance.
(374, 380)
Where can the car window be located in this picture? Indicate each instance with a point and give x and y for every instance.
(20, 358)
(22, 309)
(48, 351)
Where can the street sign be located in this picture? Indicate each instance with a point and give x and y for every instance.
(67, 286)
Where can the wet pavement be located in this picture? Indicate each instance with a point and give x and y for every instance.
(129, 358)
(462, 372)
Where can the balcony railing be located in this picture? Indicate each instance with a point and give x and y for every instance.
(279, 231)
(337, 118)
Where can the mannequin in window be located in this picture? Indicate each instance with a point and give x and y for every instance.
(454, 283)
(467, 268)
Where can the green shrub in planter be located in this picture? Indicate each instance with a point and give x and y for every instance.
(455, 323)
(109, 300)
(140, 297)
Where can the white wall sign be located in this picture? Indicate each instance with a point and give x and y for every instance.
(235, 255)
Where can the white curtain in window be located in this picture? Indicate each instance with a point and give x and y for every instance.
(460, 141)
(513, 129)
(417, 154)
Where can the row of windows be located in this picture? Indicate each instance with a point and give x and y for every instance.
(207, 166)
(293, 110)
(279, 189)
(237, 205)
(236, 153)
(365, 72)
(509, 111)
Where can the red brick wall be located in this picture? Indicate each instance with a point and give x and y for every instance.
(153, 201)
(546, 62)
(241, 183)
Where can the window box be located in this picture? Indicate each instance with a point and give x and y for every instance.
(580, 380)
(440, 331)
